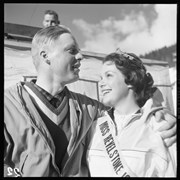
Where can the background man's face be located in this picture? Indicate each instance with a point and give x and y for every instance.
(49, 20)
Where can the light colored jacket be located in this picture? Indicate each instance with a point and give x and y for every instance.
(141, 147)
(29, 147)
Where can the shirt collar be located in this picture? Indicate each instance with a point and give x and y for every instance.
(44, 92)
(55, 100)
(124, 120)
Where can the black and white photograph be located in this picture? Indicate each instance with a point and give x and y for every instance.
(90, 90)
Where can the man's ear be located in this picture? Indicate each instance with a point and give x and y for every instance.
(44, 56)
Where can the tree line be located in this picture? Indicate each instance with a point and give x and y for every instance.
(162, 54)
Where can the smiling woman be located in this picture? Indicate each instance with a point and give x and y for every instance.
(125, 80)
(124, 138)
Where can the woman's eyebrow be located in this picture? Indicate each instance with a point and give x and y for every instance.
(108, 71)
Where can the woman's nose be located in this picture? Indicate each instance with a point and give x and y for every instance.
(101, 83)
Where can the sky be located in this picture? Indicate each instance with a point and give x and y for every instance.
(102, 28)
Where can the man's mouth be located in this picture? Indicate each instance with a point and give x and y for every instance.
(76, 67)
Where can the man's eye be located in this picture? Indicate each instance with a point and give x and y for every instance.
(73, 51)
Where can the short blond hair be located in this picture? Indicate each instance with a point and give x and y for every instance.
(45, 37)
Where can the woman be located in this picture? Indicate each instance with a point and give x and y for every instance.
(125, 142)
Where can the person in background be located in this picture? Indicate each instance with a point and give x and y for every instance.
(50, 18)
(125, 141)
(46, 126)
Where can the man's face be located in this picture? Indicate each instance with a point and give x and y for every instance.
(112, 85)
(65, 59)
(49, 20)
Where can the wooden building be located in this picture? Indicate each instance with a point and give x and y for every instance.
(89, 70)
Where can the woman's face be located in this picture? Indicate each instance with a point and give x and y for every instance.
(112, 85)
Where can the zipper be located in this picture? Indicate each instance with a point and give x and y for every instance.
(75, 148)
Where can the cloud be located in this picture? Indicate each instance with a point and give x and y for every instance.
(131, 34)
(165, 27)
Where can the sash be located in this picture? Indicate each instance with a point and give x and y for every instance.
(112, 149)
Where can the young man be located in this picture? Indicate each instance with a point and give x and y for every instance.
(50, 18)
(46, 126)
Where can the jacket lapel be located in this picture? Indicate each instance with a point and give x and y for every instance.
(35, 118)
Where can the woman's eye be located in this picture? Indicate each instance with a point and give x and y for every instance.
(108, 75)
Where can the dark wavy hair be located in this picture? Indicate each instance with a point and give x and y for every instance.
(135, 75)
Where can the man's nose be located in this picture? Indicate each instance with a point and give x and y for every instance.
(79, 56)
